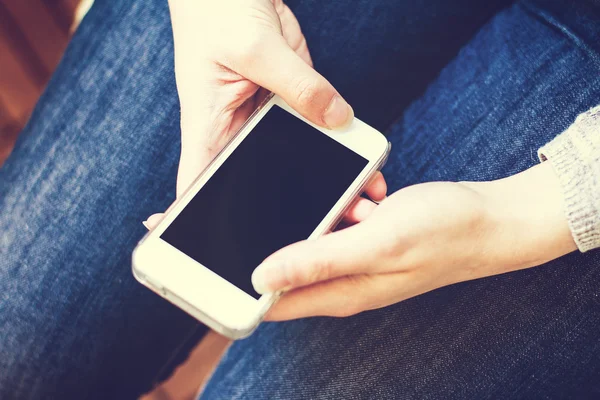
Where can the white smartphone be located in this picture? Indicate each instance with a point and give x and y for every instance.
(280, 180)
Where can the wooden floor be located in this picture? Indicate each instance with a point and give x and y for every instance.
(33, 36)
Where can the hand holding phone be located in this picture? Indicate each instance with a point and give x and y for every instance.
(223, 52)
(282, 179)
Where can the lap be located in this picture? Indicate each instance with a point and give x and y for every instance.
(528, 334)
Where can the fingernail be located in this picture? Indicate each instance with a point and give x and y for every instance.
(145, 223)
(380, 201)
(268, 277)
(338, 114)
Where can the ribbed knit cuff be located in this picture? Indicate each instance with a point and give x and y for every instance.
(575, 157)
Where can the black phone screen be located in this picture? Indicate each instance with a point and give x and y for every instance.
(273, 190)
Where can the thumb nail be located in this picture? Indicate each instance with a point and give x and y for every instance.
(338, 114)
(269, 277)
(145, 223)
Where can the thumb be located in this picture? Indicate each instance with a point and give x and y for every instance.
(276, 66)
(337, 254)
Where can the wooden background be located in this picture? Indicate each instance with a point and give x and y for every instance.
(33, 36)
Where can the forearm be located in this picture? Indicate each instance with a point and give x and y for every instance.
(523, 223)
(528, 212)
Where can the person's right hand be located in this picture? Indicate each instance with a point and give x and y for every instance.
(224, 51)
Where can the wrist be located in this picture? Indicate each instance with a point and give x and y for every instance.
(526, 218)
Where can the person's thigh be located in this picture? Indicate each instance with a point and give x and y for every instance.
(97, 158)
(528, 334)
(382, 54)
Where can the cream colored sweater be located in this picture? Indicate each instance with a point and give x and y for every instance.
(575, 157)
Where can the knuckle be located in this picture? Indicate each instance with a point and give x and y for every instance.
(294, 275)
(321, 271)
(307, 92)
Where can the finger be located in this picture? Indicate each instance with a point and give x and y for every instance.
(153, 221)
(360, 210)
(341, 297)
(304, 53)
(292, 32)
(273, 64)
(337, 254)
(192, 162)
(241, 114)
(261, 95)
(377, 188)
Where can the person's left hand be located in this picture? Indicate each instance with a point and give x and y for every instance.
(421, 238)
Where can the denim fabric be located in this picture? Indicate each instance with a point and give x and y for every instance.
(382, 54)
(100, 153)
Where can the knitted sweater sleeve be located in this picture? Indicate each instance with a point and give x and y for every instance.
(575, 157)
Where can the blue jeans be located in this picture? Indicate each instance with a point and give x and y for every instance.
(470, 89)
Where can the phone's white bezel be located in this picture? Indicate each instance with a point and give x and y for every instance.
(201, 292)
